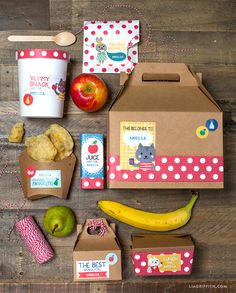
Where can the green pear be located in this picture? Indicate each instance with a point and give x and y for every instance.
(59, 221)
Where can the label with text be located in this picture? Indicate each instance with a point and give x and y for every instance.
(92, 269)
(46, 179)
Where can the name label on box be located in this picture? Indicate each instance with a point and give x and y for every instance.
(94, 269)
(46, 179)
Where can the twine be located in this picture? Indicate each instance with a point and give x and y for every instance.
(146, 42)
(98, 223)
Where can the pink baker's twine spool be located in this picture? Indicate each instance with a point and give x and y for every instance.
(34, 239)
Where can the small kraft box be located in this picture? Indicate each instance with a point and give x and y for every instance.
(162, 254)
(42, 179)
(97, 253)
(164, 131)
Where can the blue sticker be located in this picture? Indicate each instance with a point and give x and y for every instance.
(111, 258)
(212, 124)
(118, 56)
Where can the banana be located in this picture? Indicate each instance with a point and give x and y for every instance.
(146, 220)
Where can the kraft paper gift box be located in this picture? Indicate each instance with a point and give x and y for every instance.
(96, 257)
(162, 254)
(41, 179)
(164, 131)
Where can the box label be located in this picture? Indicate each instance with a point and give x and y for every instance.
(137, 145)
(163, 263)
(91, 156)
(94, 269)
(46, 179)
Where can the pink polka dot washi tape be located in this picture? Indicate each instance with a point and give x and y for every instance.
(34, 239)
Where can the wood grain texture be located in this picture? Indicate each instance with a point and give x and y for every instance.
(200, 33)
(24, 14)
(118, 287)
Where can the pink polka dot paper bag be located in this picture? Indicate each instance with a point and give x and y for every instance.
(162, 254)
(110, 46)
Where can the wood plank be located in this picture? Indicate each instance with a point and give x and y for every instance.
(211, 261)
(205, 286)
(16, 14)
(218, 79)
(201, 33)
(181, 15)
(60, 15)
(171, 46)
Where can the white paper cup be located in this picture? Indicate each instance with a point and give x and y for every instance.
(42, 82)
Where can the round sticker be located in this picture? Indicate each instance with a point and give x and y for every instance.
(30, 171)
(111, 258)
(28, 99)
(212, 124)
(202, 132)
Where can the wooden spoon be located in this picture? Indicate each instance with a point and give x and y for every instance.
(61, 39)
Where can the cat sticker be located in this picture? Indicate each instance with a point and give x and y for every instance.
(163, 263)
(145, 156)
(60, 88)
(153, 263)
(137, 146)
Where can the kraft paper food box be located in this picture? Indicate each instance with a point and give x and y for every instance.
(96, 257)
(164, 131)
(159, 254)
(45, 179)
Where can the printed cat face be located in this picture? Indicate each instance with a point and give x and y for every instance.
(145, 154)
(153, 261)
(62, 86)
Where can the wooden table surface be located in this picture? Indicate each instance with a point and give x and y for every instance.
(200, 33)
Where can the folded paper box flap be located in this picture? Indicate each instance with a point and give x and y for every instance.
(159, 83)
(32, 172)
(148, 240)
(89, 242)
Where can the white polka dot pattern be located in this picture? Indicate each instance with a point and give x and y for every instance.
(41, 53)
(172, 169)
(142, 267)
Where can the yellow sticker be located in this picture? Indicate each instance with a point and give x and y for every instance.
(164, 262)
(202, 132)
(137, 145)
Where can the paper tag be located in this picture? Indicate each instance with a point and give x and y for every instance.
(137, 145)
(46, 179)
(164, 262)
(94, 269)
(92, 159)
(110, 46)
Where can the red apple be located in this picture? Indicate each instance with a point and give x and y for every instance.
(89, 92)
(111, 258)
(93, 148)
